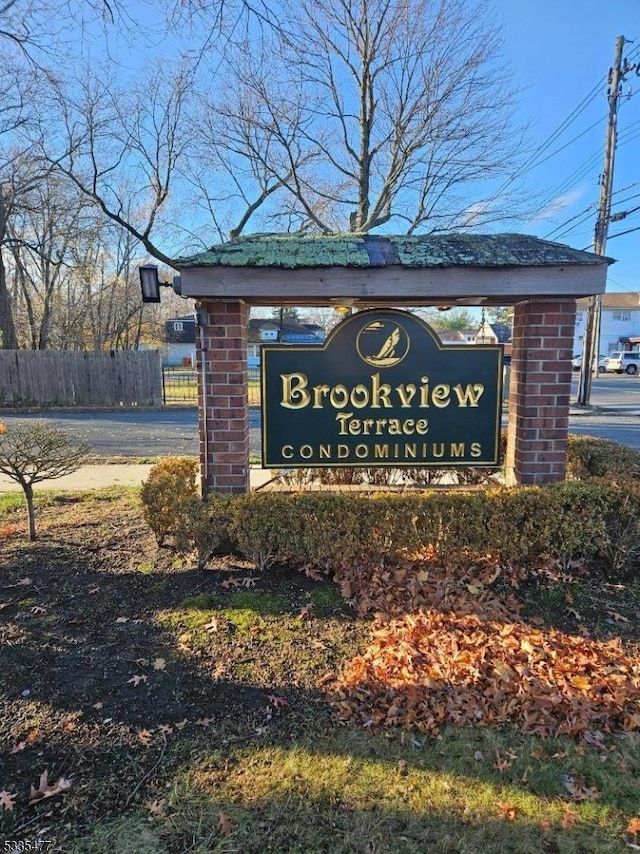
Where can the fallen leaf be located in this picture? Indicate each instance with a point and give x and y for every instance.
(306, 613)
(634, 825)
(38, 609)
(94, 590)
(45, 790)
(18, 747)
(98, 705)
(314, 574)
(228, 583)
(578, 790)
(225, 825)
(595, 739)
(181, 724)
(159, 664)
(508, 812)
(277, 702)
(145, 736)
(204, 721)
(137, 679)
(122, 619)
(24, 582)
(581, 682)
(155, 808)
(403, 767)
(568, 819)
(618, 617)
(7, 800)
(165, 729)
(213, 626)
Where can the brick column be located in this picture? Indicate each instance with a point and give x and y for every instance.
(223, 412)
(539, 392)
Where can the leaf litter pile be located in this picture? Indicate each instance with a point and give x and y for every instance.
(449, 649)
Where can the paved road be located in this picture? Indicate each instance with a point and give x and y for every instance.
(144, 433)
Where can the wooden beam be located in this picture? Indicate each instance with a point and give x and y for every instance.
(391, 285)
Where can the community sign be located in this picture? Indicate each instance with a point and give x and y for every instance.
(382, 391)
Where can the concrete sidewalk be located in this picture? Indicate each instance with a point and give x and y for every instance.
(98, 476)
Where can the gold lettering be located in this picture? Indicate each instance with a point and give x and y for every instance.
(476, 449)
(380, 393)
(367, 424)
(343, 452)
(362, 452)
(424, 393)
(342, 418)
(395, 427)
(381, 452)
(457, 450)
(470, 395)
(306, 452)
(360, 396)
(320, 391)
(410, 451)
(406, 394)
(409, 426)
(355, 427)
(380, 423)
(422, 426)
(438, 450)
(339, 396)
(287, 452)
(294, 391)
(325, 452)
(440, 395)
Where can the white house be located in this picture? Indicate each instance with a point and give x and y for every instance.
(619, 322)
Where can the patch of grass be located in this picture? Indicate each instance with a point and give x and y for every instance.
(146, 568)
(129, 835)
(257, 601)
(10, 501)
(348, 791)
(201, 602)
(326, 597)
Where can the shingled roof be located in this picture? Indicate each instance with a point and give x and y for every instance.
(295, 251)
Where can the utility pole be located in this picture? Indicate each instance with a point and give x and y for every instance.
(591, 340)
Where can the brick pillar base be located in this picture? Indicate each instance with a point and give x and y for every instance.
(223, 398)
(540, 391)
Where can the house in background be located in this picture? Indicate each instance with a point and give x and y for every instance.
(180, 338)
(619, 322)
(180, 342)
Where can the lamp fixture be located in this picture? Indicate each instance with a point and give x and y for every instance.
(150, 283)
(342, 306)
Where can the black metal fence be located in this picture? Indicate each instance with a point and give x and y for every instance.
(180, 386)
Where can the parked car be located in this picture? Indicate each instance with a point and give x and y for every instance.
(576, 363)
(623, 361)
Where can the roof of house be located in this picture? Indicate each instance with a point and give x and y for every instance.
(614, 299)
(293, 251)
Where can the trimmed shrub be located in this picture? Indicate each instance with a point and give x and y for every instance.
(168, 491)
(590, 457)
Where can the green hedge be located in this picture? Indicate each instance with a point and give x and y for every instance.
(597, 520)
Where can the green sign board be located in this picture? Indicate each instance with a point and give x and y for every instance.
(382, 391)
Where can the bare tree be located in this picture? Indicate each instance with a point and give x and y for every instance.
(376, 111)
(33, 451)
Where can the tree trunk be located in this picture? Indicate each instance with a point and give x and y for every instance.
(31, 513)
(8, 340)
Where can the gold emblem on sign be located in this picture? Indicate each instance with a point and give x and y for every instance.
(382, 343)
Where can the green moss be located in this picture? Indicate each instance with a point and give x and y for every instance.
(201, 602)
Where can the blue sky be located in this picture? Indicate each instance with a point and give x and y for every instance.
(558, 51)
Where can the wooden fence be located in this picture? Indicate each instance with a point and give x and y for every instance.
(55, 378)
